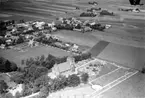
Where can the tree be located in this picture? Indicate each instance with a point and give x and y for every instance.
(84, 78)
(73, 80)
(13, 66)
(62, 82)
(36, 89)
(22, 62)
(18, 95)
(44, 92)
(143, 70)
(18, 77)
(40, 71)
(3, 87)
(42, 58)
(20, 40)
(6, 65)
(42, 81)
(27, 90)
(8, 95)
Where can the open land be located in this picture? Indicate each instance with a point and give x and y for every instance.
(123, 43)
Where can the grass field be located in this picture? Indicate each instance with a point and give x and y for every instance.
(84, 39)
(124, 37)
(17, 56)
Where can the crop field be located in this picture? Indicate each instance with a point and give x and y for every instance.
(123, 43)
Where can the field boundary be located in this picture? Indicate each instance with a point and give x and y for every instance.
(112, 84)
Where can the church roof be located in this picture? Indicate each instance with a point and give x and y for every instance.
(64, 67)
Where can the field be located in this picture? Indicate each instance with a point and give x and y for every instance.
(17, 56)
(126, 55)
(122, 44)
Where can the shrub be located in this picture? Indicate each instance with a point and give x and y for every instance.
(73, 80)
(84, 78)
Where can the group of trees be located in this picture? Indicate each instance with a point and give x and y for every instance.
(55, 43)
(50, 60)
(34, 75)
(47, 62)
(27, 76)
(87, 14)
(3, 87)
(7, 66)
(43, 39)
(64, 26)
(2, 41)
(3, 24)
(134, 2)
(46, 85)
(82, 56)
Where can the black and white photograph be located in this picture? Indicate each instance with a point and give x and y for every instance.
(72, 48)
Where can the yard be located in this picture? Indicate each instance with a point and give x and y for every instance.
(97, 68)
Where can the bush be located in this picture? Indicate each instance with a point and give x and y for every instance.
(84, 78)
(73, 80)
